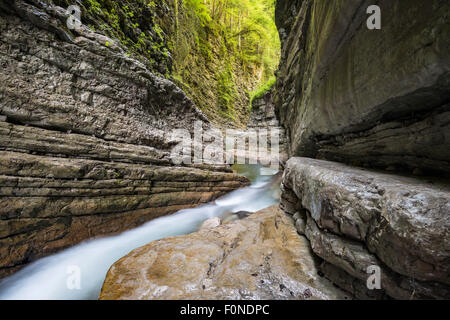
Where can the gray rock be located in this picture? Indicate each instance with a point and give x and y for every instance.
(300, 225)
(260, 257)
(358, 218)
(375, 98)
(263, 117)
(85, 138)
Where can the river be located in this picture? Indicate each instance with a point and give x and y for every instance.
(50, 278)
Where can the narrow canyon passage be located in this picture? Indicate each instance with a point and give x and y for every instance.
(121, 123)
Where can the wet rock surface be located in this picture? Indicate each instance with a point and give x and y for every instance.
(263, 117)
(260, 257)
(356, 218)
(372, 98)
(52, 203)
(85, 138)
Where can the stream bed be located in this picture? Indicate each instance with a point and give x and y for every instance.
(51, 278)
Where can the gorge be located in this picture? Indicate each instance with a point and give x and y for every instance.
(87, 177)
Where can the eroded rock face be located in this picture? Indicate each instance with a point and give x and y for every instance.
(260, 257)
(85, 138)
(373, 98)
(356, 218)
(263, 117)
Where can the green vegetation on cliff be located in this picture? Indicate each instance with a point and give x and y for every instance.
(135, 23)
(246, 26)
(225, 49)
(261, 90)
(217, 51)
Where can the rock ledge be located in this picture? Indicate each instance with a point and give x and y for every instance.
(261, 257)
(355, 218)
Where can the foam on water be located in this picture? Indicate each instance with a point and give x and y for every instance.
(48, 278)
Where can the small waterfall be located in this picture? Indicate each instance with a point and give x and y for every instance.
(48, 278)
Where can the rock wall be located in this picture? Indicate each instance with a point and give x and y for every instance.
(206, 66)
(263, 117)
(373, 98)
(377, 99)
(85, 138)
(357, 218)
(263, 112)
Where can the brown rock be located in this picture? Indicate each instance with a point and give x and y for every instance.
(261, 257)
(85, 138)
(87, 198)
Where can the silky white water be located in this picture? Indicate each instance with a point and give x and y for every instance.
(52, 277)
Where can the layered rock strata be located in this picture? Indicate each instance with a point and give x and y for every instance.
(85, 138)
(356, 218)
(376, 99)
(260, 257)
(372, 98)
(263, 117)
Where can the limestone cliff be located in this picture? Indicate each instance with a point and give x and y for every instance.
(85, 137)
(377, 99)
(373, 98)
(263, 117)
(211, 73)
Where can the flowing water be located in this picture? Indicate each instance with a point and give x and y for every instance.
(52, 277)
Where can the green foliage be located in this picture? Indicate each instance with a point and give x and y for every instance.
(237, 41)
(248, 28)
(258, 93)
(200, 9)
(226, 91)
(94, 7)
(217, 50)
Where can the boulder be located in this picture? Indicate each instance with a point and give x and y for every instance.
(260, 257)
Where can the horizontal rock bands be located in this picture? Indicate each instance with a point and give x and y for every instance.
(70, 94)
(355, 218)
(49, 142)
(48, 236)
(85, 138)
(26, 165)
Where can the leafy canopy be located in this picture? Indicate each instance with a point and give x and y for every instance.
(249, 28)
